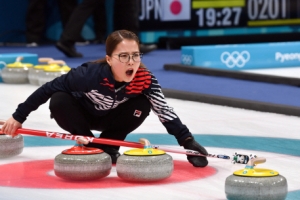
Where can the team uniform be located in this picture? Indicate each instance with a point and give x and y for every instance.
(88, 98)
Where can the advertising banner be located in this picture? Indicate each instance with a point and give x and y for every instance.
(243, 56)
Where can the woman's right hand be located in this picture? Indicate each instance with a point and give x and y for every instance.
(10, 127)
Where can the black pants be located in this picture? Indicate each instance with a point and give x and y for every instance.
(72, 117)
(125, 17)
(36, 17)
(83, 11)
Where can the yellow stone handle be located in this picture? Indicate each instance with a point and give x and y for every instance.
(45, 60)
(19, 58)
(60, 62)
(145, 142)
(255, 161)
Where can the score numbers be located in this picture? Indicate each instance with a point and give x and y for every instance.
(266, 9)
(226, 17)
(231, 16)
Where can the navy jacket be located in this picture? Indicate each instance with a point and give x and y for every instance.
(92, 84)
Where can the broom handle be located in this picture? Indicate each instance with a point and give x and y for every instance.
(64, 136)
(75, 137)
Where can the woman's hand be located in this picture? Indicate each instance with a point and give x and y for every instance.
(196, 161)
(10, 127)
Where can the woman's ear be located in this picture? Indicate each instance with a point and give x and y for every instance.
(108, 60)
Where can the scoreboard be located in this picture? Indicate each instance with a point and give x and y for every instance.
(217, 14)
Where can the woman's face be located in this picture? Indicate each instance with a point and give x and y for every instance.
(125, 70)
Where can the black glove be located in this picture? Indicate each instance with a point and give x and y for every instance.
(197, 161)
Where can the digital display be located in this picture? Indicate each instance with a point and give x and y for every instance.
(206, 14)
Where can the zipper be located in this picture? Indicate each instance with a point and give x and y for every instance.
(114, 101)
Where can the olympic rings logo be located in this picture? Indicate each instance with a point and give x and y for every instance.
(235, 58)
(186, 59)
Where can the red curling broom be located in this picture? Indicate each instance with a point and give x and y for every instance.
(64, 136)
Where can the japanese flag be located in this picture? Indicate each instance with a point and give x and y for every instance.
(176, 10)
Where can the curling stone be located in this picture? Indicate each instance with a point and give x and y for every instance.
(82, 163)
(2, 65)
(33, 73)
(55, 69)
(9, 146)
(144, 165)
(254, 183)
(16, 72)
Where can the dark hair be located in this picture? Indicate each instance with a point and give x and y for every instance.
(114, 39)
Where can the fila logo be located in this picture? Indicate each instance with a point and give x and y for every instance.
(137, 113)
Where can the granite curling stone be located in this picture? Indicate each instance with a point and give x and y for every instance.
(144, 165)
(255, 184)
(55, 69)
(82, 163)
(34, 72)
(16, 73)
(10, 146)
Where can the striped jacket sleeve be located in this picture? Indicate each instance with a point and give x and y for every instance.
(164, 112)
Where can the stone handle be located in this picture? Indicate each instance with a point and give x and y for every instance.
(255, 161)
(82, 140)
(60, 62)
(45, 60)
(19, 58)
(145, 142)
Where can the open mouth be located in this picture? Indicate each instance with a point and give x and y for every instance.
(129, 72)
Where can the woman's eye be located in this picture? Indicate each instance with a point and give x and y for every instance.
(123, 55)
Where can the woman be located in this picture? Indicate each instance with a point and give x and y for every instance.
(112, 95)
